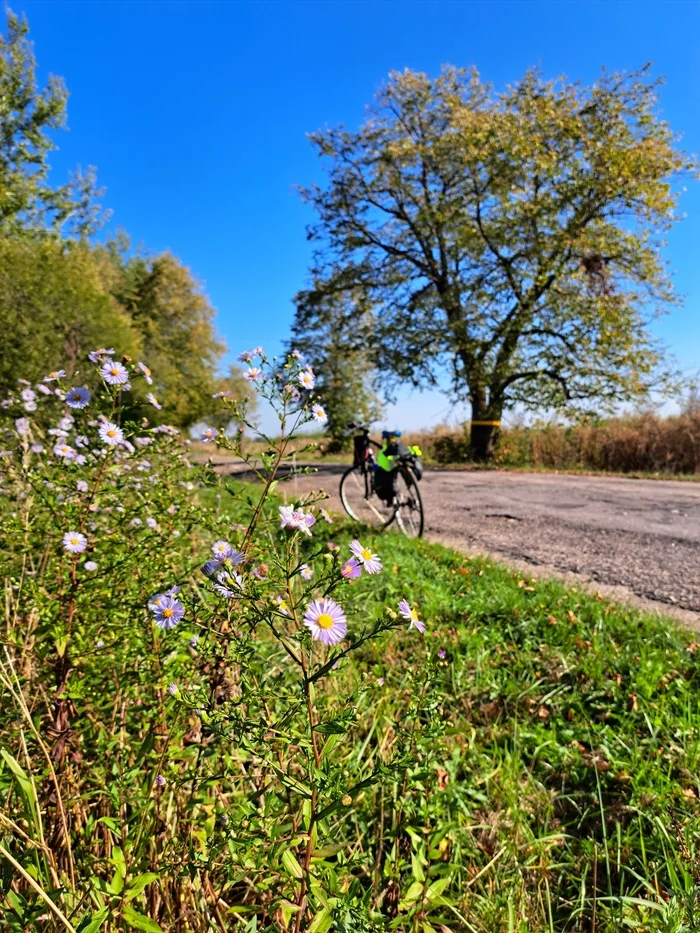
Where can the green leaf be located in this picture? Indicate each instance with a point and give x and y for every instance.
(290, 862)
(139, 921)
(417, 868)
(436, 888)
(118, 860)
(26, 789)
(116, 885)
(91, 924)
(136, 886)
(322, 922)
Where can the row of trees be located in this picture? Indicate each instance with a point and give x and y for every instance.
(512, 239)
(63, 294)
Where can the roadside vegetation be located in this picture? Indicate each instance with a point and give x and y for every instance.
(222, 713)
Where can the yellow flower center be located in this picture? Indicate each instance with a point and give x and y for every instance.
(414, 615)
(74, 541)
(283, 606)
(168, 613)
(114, 371)
(324, 621)
(366, 554)
(111, 433)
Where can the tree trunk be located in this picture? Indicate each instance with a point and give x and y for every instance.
(483, 433)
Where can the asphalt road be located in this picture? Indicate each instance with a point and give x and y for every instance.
(639, 535)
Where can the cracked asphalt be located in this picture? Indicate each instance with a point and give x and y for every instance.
(639, 536)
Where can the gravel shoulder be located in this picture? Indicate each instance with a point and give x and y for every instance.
(634, 540)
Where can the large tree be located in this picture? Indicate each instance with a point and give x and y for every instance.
(511, 237)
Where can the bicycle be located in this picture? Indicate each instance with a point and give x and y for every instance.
(379, 493)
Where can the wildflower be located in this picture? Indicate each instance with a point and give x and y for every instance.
(22, 426)
(37, 448)
(210, 567)
(30, 406)
(81, 486)
(306, 572)
(248, 355)
(173, 591)
(221, 549)
(172, 689)
(218, 395)
(292, 393)
(319, 413)
(306, 379)
(296, 518)
(143, 441)
(155, 601)
(81, 440)
(261, 571)
(351, 569)
(332, 546)
(113, 373)
(224, 591)
(442, 654)
(78, 397)
(74, 542)
(90, 566)
(27, 395)
(297, 355)
(194, 641)
(43, 389)
(160, 781)
(95, 355)
(146, 373)
(369, 561)
(253, 373)
(326, 516)
(111, 434)
(66, 424)
(326, 621)
(99, 643)
(380, 681)
(168, 613)
(154, 401)
(208, 434)
(152, 523)
(410, 615)
(135, 522)
(52, 377)
(64, 450)
(282, 605)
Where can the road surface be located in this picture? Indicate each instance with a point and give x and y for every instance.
(640, 535)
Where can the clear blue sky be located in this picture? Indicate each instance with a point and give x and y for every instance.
(195, 114)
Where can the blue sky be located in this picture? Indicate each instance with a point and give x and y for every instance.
(195, 114)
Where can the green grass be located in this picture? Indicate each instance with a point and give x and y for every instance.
(558, 788)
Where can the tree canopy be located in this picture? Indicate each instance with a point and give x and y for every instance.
(513, 237)
(61, 293)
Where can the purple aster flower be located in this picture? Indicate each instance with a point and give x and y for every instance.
(282, 605)
(90, 566)
(37, 448)
(194, 641)
(351, 569)
(369, 561)
(319, 413)
(152, 523)
(135, 523)
(154, 401)
(208, 435)
(326, 621)
(78, 397)
(172, 689)
(326, 516)
(111, 434)
(248, 355)
(160, 781)
(306, 379)
(66, 424)
(113, 373)
(27, 395)
(306, 572)
(65, 451)
(410, 615)
(74, 542)
(261, 571)
(43, 389)
(332, 546)
(22, 426)
(96, 355)
(210, 567)
(380, 681)
(442, 654)
(57, 374)
(253, 373)
(221, 549)
(155, 601)
(146, 373)
(169, 612)
(297, 355)
(30, 406)
(81, 486)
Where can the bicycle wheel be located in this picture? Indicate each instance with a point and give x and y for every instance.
(409, 510)
(361, 502)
